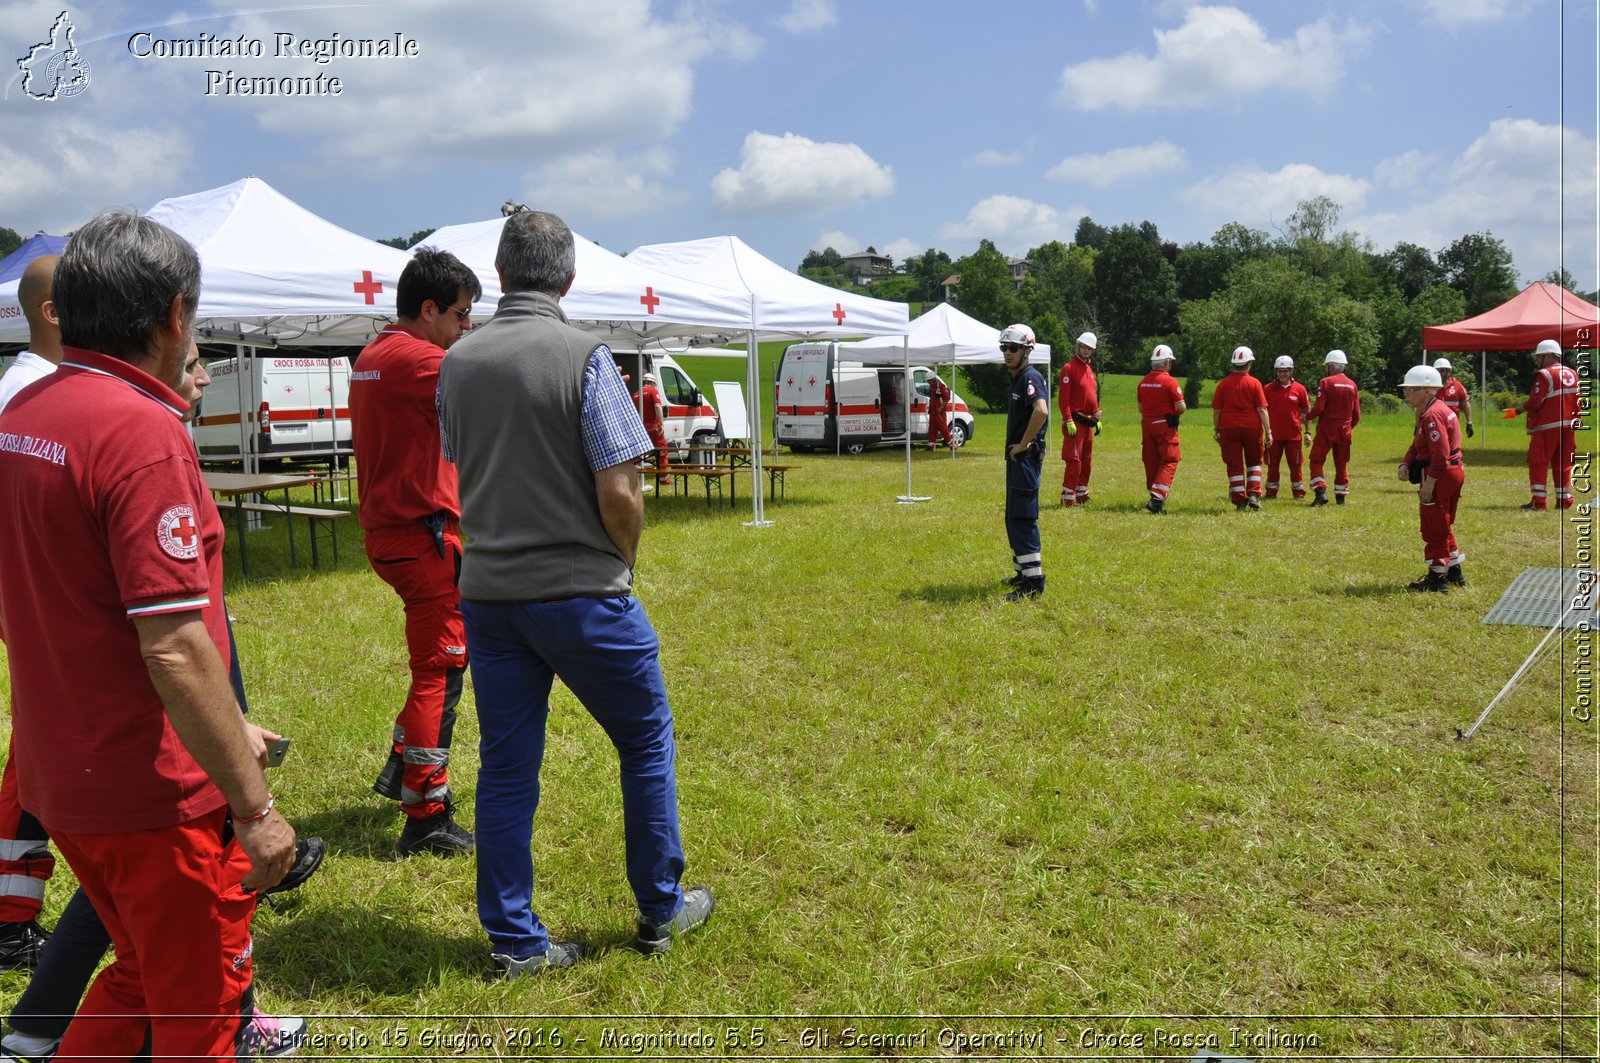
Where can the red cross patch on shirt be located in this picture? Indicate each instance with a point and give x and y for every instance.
(178, 533)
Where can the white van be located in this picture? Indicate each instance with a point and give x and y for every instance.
(688, 418)
(294, 407)
(825, 403)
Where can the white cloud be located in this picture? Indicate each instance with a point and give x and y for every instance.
(1013, 223)
(1120, 164)
(795, 173)
(994, 157)
(808, 16)
(600, 186)
(1218, 53)
(1464, 12)
(841, 242)
(1261, 199)
(902, 249)
(1401, 172)
(55, 175)
(1511, 182)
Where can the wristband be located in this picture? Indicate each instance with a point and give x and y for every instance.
(253, 817)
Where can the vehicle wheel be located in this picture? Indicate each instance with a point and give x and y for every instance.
(855, 448)
(958, 435)
(795, 448)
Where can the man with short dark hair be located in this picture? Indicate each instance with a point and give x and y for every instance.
(141, 767)
(409, 512)
(1027, 422)
(553, 514)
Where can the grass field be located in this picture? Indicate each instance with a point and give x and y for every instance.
(1204, 792)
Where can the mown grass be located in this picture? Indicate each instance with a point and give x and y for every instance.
(1208, 781)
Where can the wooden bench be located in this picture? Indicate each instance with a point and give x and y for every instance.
(775, 476)
(709, 474)
(315, 518)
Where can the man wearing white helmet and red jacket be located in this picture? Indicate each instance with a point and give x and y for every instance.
(648, 399)
(1160, 405)
(1027, 421)
(1454, 394)
(1079, 399)
(1287, 403)
(1552, 410)
(1238, 422)
(1433, 463)
(1337, 411)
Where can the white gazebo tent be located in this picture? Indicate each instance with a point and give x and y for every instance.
(781, 304)
(941, 335)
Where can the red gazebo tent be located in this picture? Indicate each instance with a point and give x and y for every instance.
(1541, 311)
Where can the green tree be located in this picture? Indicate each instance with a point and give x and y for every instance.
(988, 294)
(10, 240)
(1060, 281)
(1561, 279)
(1135, 292)
(1202, 269)
(827, 258)
(930, 269)
(1479, 266)
(405, 243)
(1411, 268)
(1091, 235)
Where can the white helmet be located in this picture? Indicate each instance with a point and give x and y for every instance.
(1162, 353)
(1335, 357)
(1243, 356)
(1089, 340)
(1283, 362)
(1442, 363)
(650, 378)
(1547, 347)
(1017, 334)
(1422, 376)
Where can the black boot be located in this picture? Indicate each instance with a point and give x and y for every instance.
(1433, 581)
(1321, 499)
(1454, 577)
(1155, 505)
(1339, 499)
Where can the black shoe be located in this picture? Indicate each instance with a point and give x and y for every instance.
(1014, 581)
(1454, 577)
(20, 945)
(1253, 502)
(1028, 588)
(1532, 507)
(438, 834)
(559, 954)
(1339, 499)
(1240, 506)
(1156, 505)
(1321, 499)
(1433, 581)
(655, 939)
(389, 779)
(308, 854)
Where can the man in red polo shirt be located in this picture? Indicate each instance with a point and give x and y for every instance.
(1287, 403)
(1337, 411)
(1238, 422)
(1433, 463)
(140, 767)
(1454, 394)
(1160, 405)
(1079, 398)
(1552, 410)
(410, 507)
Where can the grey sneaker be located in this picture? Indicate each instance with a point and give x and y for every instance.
(439, 834)
(559, 954)
(655, 939)
(24, 1048)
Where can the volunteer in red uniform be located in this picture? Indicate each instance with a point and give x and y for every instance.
(1238, 422)
(1433, 463)
(409, 511)
(1287, 403)
(1160, 405)
(1079, 399)
(1454, 393)
(141, 766)
(652, 412)
(938, 403)
(1552, 410)
(1337, 411)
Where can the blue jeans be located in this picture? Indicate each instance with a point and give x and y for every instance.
(607, 654)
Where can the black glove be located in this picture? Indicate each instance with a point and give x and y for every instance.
(1414, 471)
(1469, 429)
(1172, 420)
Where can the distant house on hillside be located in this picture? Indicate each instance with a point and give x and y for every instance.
(866, 265)
(1019, 271)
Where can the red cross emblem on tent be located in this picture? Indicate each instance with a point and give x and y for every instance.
(177, 533)
(838, 313)
(368, 287)
(650, 299)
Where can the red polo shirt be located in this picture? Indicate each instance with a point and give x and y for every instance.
(106, 518)
(1238, 396)
(395, 431)
(1286, 404)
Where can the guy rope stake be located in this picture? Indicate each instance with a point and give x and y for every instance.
(1539, 652)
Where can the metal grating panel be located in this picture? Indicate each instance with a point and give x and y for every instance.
(1540, 596)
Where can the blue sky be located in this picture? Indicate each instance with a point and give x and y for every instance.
(796, 124)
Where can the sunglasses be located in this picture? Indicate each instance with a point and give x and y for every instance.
(1011, 348)
(463, 313)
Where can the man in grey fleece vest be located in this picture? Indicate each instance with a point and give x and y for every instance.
(544, 436)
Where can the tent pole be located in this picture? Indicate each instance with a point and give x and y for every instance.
(752, 375)
(1483, 397)
(908, 499)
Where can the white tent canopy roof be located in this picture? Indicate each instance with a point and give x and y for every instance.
(942, 335)
(610, 295)
(782, 303)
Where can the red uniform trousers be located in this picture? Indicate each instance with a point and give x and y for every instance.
(1551, 450)
(1438, 519)
(25, 860)
(1078, 454)
(1241, 453)
(436, 638)
(171, 901)
(1338, 441)
(1161, 457)
(1279, 450)
(938, 428)
(658, 437)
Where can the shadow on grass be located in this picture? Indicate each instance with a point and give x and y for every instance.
(1384, 590)
(951, 594)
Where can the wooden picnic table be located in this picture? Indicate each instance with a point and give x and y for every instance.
(238, 485)
(739, 458)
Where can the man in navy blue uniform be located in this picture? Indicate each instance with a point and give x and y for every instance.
(1027, 417)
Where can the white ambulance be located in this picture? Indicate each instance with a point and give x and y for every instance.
(823, 403)
(293, 407)
(689, 420)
